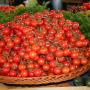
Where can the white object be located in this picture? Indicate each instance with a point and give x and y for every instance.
(26, 2)
(57, 4)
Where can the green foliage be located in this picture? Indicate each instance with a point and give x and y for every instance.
(83, 20)
(32, 3)
(5, 17)
(82, 81)
(88, 82)
(79, 81)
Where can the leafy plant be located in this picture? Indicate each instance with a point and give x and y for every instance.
(83, 20)
(82, 81)
(5, 17)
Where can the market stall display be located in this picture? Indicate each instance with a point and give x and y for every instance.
(42, 48)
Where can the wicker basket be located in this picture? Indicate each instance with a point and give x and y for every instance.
(45, 79)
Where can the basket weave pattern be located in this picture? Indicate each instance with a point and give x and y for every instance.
(45, 79)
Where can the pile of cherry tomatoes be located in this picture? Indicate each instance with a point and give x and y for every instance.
(7, 8)
(85, 6)
(74, 9)
(42, 44)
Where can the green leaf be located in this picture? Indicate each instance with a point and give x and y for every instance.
(83, 20)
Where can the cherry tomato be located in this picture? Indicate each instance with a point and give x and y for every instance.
(10, 44)
(46, 67)
(41, 61)
(16, 58)
(21, 67)
(12, 74)
(57, 71)
(65, 70)
(30, 66)
(59, 53)
(30, 74)
(76, 61)
(84, 61)
(52, 64)
(5, 70)
(74, 55)
(49, 57)
(37, 73)
(2, 43)
(17, 40)
(24, 73)
(32, 54)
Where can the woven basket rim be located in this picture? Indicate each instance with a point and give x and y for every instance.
(45, 79)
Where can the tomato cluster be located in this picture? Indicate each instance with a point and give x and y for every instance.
(78, 8)
(86, 6)
(7, 8)
(41, 44)
(73, 8)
